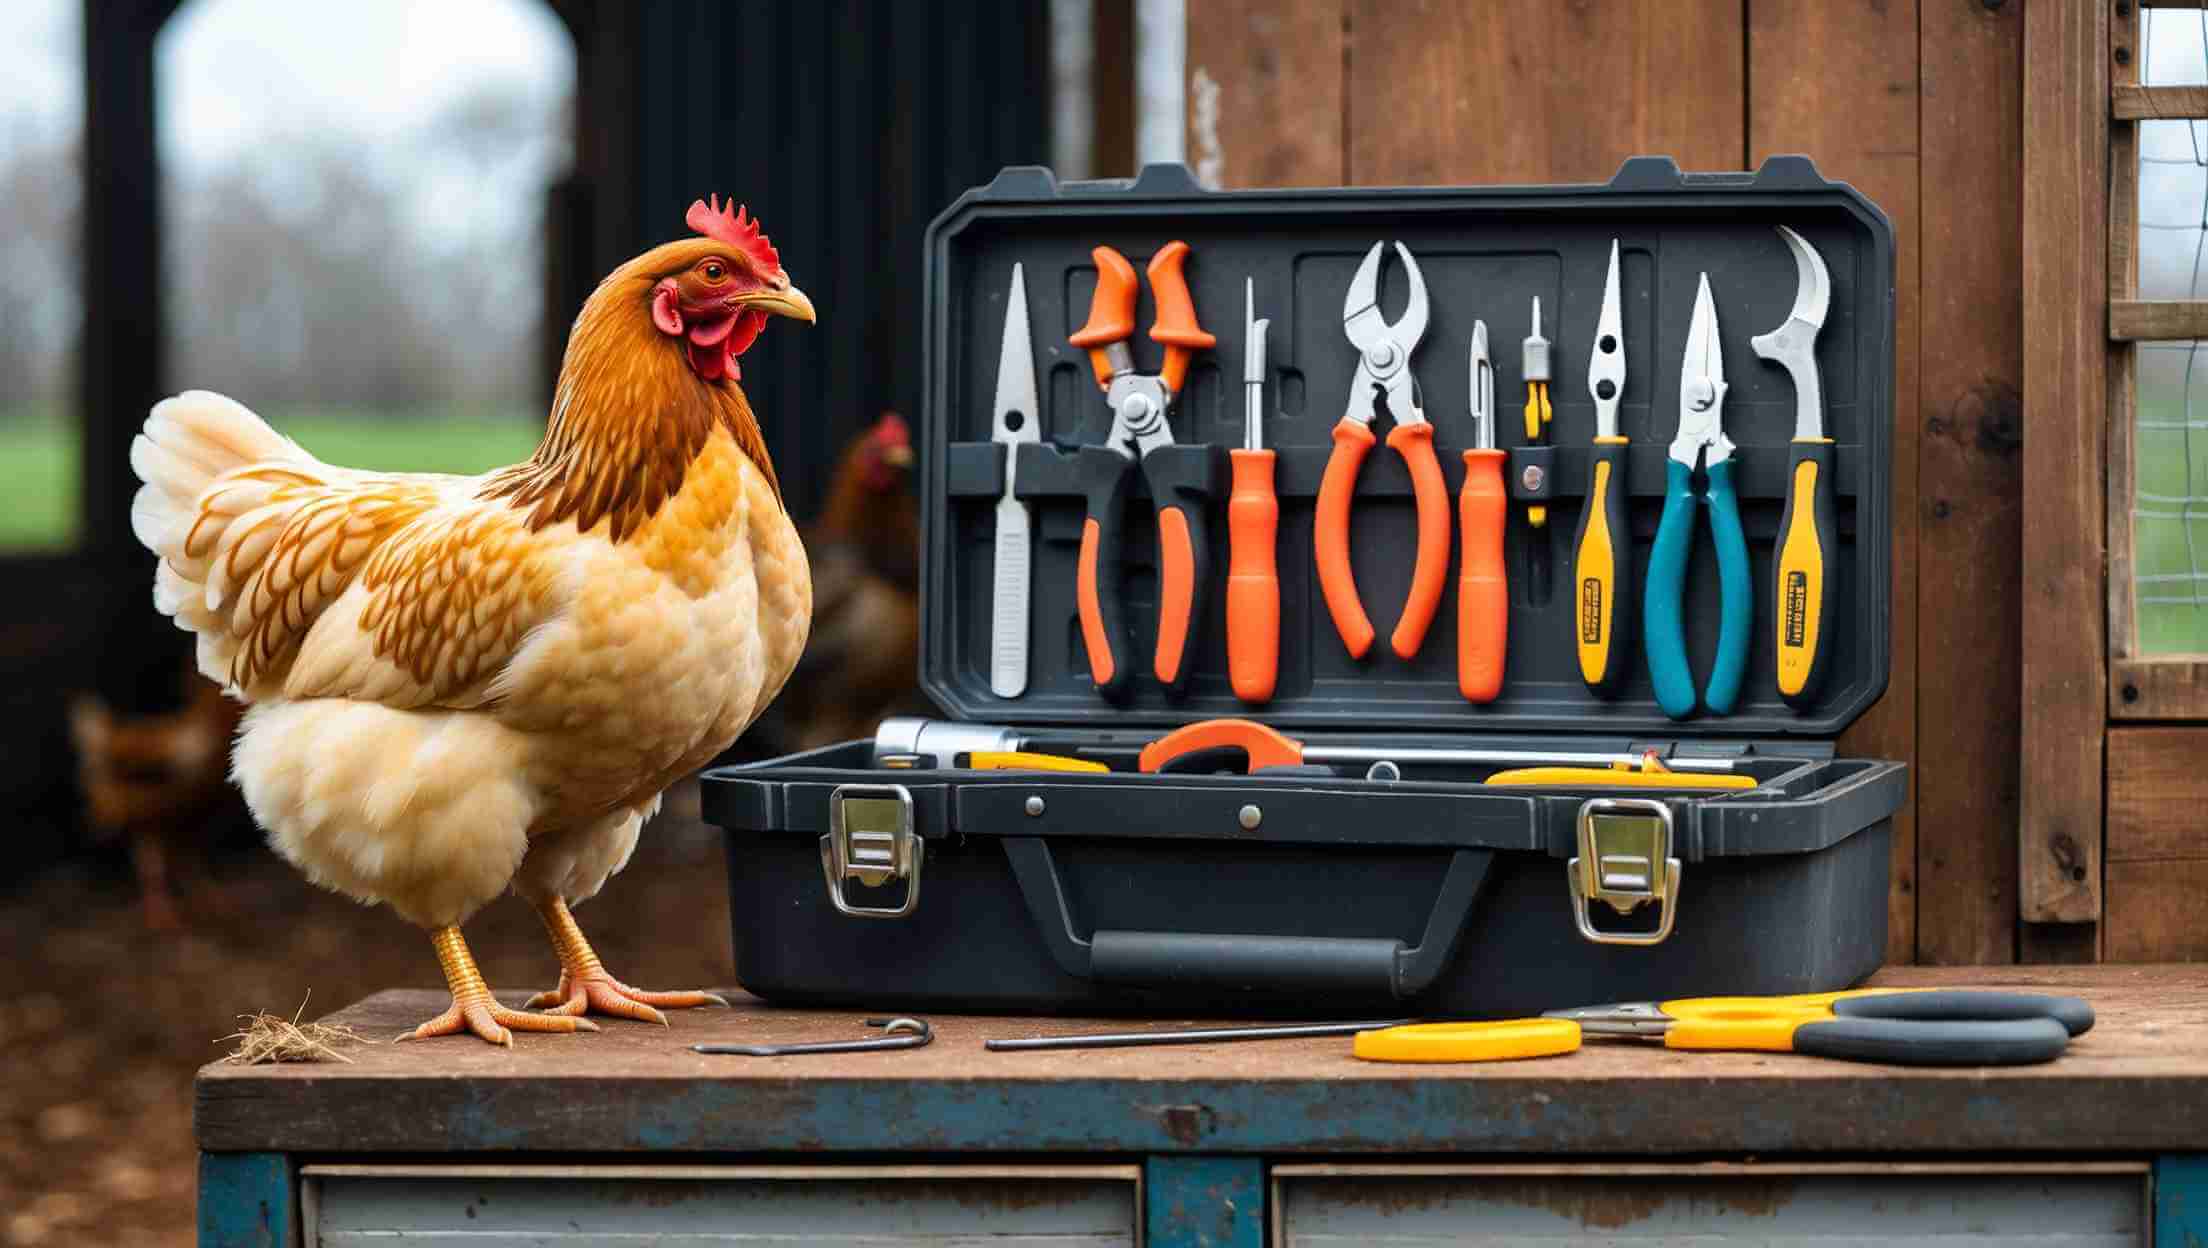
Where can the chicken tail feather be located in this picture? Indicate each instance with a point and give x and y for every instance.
(189, 445)
(188, 441)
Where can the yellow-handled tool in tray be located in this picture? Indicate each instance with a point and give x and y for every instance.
(1801, 562)
(1602, 551)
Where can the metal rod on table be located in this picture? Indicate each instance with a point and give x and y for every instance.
(1204, 1035)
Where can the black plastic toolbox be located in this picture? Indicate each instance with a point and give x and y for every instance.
(1315, 890)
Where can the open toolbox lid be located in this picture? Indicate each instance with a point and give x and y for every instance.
(1486, 253)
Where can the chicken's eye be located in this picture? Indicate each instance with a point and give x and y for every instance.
(715, 271)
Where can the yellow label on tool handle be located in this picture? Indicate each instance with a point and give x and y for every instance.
(1595, 572)
(1801, 583)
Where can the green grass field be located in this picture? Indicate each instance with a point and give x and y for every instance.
(38, 456)
(2171, 619)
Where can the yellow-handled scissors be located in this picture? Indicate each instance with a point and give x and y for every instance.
(1931, 1027)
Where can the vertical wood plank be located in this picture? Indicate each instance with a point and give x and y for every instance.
(1534, 91)
(1265, 93)
(1857, 115)
(120, 370)
(2157, 860)
(2123, 398)
(2064, 706)
(1112, 89)
(1969, 507)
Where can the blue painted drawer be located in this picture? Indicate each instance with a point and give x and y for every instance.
(493, 1206)
(1843, 1205)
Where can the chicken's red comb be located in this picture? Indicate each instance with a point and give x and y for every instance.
(890, 430)
(712, 218)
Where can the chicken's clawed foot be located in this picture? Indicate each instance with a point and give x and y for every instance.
(488, 1019)
(603, 994)
(473, 1007)
(586, 988)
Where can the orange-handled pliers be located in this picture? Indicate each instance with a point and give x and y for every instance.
(1183, 479)
(1383, 372)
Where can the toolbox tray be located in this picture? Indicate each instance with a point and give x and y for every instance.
(1312, 892)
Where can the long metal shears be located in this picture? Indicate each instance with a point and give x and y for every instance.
(1940, 1027)
(1701, 439)
(1183, 480)
(1383, 373)
(1800, 563)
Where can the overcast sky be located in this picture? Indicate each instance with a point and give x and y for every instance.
(232, 72)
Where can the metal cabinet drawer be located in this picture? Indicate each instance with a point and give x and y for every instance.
(1863, 1205)
(490, 1206)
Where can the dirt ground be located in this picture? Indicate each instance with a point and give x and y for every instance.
(103, 1022)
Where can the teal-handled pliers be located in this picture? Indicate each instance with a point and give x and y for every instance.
(1701, 439)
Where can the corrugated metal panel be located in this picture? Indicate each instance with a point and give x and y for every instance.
(1876, 1210)
(845, 125)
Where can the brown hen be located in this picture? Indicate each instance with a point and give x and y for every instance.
(459, 685)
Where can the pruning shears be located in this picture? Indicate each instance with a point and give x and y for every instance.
(1183, 479)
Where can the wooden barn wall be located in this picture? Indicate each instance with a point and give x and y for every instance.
(1918, 104)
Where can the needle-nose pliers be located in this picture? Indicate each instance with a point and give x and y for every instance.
(1701, 438)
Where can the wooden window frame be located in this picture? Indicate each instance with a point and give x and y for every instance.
(2083, 670)
(2140, 686)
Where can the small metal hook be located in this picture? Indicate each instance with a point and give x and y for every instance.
(897, 1033)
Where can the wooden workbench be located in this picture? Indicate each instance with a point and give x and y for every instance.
(1203, 1123)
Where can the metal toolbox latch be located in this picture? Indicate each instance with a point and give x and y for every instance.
(1624, 860)
(870, 839)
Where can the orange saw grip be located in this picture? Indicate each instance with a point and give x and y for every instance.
(1253, 580)
(1265, 747)
(1111, 311)
(1175, 325)
(1330, 540)
(1415, 443)
(1483, 596)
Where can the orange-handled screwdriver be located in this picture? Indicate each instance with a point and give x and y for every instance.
(1483, 508)
(1253, 524)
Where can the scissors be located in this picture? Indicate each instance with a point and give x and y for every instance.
(1936, 1027)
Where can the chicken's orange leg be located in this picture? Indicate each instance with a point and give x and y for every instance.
(473, 1007)
(586, 988)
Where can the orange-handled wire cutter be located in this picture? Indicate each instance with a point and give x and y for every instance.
(1383, 372)
(1182, 479)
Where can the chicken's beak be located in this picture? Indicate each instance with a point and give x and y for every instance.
(788, 301)
(898, 456)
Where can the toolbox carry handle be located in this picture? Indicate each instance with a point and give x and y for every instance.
(1361, 966)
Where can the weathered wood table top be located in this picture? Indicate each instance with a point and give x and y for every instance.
(2138, 1082)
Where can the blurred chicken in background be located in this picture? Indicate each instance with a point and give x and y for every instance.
(158, 780)
(864, 660)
